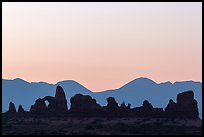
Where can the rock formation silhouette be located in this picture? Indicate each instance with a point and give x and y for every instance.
(112, 104)
(20, 109)
(147, 110)
(60, 99)
(57, 104)
(146, 105)
(12, 108)
(186, 106)
(123, 106)
(39, 106)
(85, 105)
(123, 109)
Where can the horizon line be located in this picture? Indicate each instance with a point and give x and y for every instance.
(102, 90)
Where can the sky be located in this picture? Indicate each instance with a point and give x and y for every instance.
(102, 45)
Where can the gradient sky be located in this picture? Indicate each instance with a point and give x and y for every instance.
(102, 45)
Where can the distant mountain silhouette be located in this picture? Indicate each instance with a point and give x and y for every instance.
(135, 92)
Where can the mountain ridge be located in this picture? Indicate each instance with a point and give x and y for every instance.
(136, 79)
(133, 92)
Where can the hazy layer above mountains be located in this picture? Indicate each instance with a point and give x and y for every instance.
(135, 92)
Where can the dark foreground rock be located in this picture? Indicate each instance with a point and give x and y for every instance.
(87, 117)
(12, 108)
(186, 106)
(57, 105)
(99, 126)
(84, 104)
(20, 109)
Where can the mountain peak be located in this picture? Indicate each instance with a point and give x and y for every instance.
(68, 81)
(73, 85)
(140, 82)
(143, 80)
(166, 83)
(20, 80)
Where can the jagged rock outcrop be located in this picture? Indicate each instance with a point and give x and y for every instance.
(147, 110)
(20, 109)
(186, 106)
(123, 105)
(129, 106)
(84, 104)
(60, 93)
(57, 104)
(146, 105)
(171, 108)
(60, 99)
(112, 104)
(112, 108)
(12, 108)
(123, 109)
(39, 106)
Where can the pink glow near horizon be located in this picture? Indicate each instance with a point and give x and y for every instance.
(102, 45)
